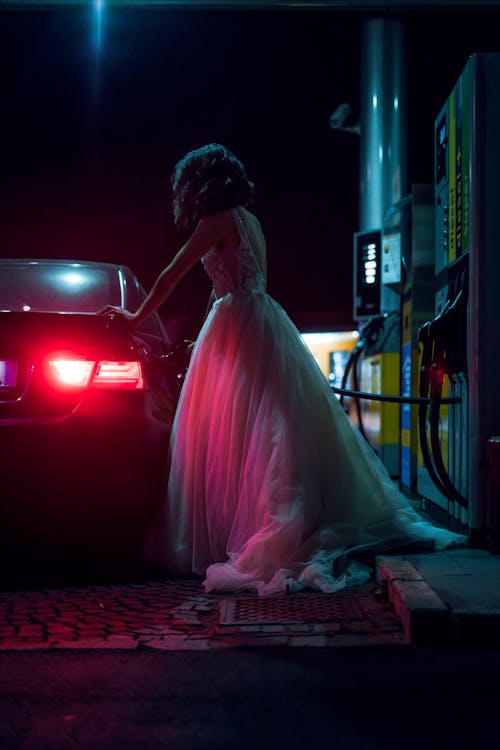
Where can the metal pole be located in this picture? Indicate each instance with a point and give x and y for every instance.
(383, 117)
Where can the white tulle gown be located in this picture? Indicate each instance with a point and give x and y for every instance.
(270, 485)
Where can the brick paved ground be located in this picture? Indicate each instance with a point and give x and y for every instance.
(179, 615)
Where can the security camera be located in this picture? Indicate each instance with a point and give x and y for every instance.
(339, 117)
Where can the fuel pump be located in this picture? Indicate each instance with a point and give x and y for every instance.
(375, 360)
(459, 344)
(417, 306)
(456, 347)
(404, 301)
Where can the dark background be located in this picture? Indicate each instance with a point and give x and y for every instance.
(94, 117)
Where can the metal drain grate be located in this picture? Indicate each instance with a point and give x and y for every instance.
(298, 608)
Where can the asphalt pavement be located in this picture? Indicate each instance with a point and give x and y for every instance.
(359, 698)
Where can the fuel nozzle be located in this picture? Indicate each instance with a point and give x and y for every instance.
(371, 331)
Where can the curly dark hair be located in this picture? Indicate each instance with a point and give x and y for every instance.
(207, 180)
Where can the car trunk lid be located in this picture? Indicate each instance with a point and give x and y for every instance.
(30, 342)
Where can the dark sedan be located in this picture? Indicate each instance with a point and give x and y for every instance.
(86, 407)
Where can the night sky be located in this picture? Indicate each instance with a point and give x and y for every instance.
(94, 118)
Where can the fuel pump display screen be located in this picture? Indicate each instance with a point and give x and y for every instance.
(367, 267)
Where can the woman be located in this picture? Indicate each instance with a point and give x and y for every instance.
(270, 486)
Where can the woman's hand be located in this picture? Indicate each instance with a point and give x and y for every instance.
(112, 310)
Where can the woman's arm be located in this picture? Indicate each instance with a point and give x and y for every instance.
(208, 232)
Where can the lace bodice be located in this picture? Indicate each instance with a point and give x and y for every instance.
(234, 271)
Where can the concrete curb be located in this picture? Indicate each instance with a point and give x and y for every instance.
(426, 620)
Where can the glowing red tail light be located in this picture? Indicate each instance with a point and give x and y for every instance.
(119, 375)
(75, 372)
(71, 372)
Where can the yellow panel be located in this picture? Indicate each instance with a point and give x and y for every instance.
(390, 378)
(380, 374)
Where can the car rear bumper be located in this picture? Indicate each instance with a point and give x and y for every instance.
(82, 489)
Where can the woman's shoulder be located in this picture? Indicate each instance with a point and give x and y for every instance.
(225, 224)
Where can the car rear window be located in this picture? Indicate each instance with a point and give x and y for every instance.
(64, 287)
